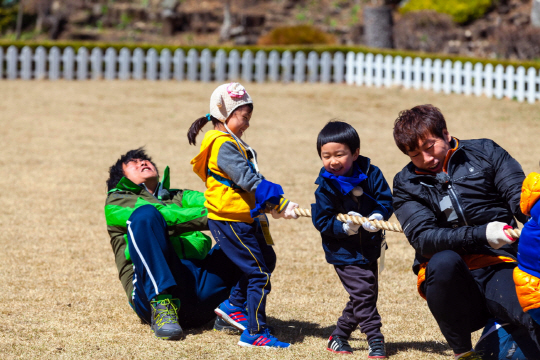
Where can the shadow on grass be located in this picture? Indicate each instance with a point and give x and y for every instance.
(393, 348)
(292, 331)
(295, 331)
(432, 347)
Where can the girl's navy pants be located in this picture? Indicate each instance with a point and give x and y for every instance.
(246, 247)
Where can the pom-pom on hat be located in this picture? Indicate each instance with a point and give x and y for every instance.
(226, 98)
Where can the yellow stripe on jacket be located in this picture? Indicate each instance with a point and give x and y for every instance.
(223, 202)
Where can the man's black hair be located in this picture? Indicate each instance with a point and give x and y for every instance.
(116, 172)
(338, 132)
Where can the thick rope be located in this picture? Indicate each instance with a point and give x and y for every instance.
(513, 233)
(384, 225)
(358, 220)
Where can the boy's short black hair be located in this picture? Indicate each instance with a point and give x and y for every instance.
(338, 132)
(116, 171)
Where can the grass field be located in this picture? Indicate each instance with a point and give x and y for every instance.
(59, 292)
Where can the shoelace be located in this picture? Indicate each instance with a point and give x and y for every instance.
(376, 345)
(266, 333)
(166, 315)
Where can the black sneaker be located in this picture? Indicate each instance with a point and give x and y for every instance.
(339, 345)
(222, 325)
(377, 349)
(165, 320)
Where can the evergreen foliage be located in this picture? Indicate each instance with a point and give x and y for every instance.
(461, 11)
(8, 16)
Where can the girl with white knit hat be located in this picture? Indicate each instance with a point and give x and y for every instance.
(237, 198)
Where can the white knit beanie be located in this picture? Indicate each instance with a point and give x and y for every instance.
(226, 98)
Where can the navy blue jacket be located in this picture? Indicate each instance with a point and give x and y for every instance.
(361, 248)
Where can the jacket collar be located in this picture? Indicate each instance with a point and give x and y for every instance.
(363, 162)
(200, 162)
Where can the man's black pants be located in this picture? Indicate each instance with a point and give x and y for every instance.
(462, 300)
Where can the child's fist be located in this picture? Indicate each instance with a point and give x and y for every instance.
(287, 213)
(349, 227)
(368, 226)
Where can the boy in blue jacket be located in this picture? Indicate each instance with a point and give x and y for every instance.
(349, 184)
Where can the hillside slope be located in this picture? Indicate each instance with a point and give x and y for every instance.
(504, 31)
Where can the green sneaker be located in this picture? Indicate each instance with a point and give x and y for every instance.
(165, 319)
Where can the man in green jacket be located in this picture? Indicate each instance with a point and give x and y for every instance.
(170, 272)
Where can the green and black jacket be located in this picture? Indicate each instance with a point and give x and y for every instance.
(183, 211)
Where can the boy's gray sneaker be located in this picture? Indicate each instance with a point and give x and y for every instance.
(222, 325)
(165, 319)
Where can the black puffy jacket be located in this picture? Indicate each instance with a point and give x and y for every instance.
(438, 213)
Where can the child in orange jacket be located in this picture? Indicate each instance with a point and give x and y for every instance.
(527, 273)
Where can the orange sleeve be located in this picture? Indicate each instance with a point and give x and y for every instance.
(530, 193)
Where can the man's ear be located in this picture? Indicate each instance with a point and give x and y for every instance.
(446, 136)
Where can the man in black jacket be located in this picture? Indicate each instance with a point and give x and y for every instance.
(454, 200)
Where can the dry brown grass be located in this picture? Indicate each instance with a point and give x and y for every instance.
(59, 293)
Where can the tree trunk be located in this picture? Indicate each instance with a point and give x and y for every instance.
(19, 20)
(169, 15)
(535, 13)
(39, 23)
(378, 25)
(43, 9)
(225, 31)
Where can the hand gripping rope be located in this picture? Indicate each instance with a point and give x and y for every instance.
(384, 225)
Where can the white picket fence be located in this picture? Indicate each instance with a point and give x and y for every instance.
(351, 68)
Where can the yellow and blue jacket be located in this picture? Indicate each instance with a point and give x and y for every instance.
(223, 164)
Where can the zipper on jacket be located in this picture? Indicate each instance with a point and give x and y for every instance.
(459, 208)
(452, 192)
(154, 196)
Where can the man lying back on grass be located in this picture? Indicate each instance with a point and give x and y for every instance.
(171, 274)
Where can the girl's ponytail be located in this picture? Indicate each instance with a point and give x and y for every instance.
(197, 126)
